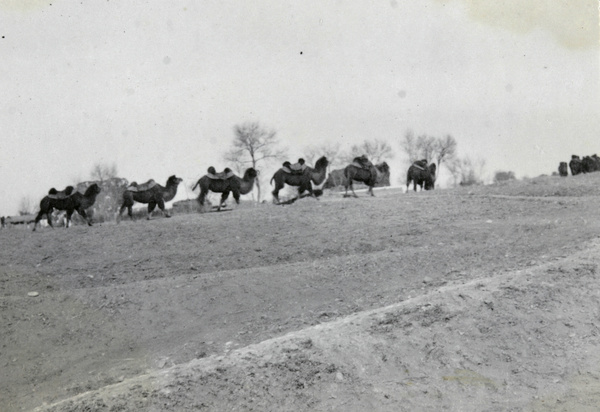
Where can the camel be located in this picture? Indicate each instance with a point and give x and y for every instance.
(154, 194)
(421, 174)
(71, 203)
(371, 176)
(563, 169)
(302, 180)
(225, 184)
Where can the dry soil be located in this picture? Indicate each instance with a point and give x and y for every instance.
(470, 299)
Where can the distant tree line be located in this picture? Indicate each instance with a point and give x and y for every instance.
(253, 145)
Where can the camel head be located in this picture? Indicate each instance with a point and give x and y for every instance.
(432, 170)
(430, 182)
(250, 173)
(93, 190)
(321, 164)
(174, 180)
(383, 168)
(247, 183)
(319, 173)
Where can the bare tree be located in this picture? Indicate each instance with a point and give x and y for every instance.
(26, 206)
(454, 167)
(440, 150)
(103, 171)
(427, 147)
(330, 150)
(445, 149)
(417, 148)
(252, 145)
(466, 171)
(502, 176)
(376, 150)
(409, 146)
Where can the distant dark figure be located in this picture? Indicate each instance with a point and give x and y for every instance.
(3, 221)
(563, 169)
(589, 164)
(421, 176)
(575, 165)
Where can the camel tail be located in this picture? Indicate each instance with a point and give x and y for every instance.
(197, 183)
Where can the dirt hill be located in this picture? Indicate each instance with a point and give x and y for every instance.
(473, 299)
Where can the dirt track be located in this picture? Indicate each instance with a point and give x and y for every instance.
(492, 294)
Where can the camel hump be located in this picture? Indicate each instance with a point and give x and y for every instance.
(63, 194)
(362, 162)
(297, 168)
(224, 175)
(135, 187)
(420, 164)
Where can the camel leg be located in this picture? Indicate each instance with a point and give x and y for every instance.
(308, 189)
(84, 215)
(224, 197)
(37, 219)
(352, 188)
(69, 214)
(371, 191)
(346, 186)
(121, 210)
(301, 194)
(236, 196)
(275, 193)
(151, 207)
(161, 206)
(201, 198)
(49, 219)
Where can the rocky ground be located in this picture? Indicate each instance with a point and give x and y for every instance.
(471, 299)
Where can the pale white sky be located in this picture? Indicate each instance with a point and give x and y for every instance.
(157, 86)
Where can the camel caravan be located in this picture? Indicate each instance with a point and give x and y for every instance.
(587, 164)
(309, 182)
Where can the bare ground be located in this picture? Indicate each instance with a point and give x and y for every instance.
(479, 299)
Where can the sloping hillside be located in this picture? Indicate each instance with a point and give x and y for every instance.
(469, 299)
(515, 341)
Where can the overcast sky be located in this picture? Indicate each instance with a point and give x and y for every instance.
(156, 87)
